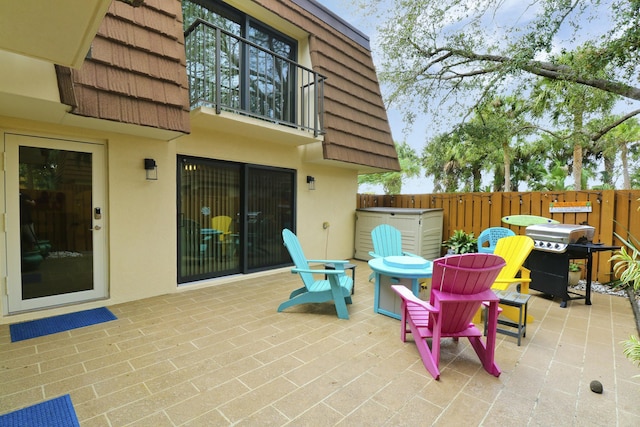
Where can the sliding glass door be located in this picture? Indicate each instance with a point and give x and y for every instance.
(230, 216)
(269, 195)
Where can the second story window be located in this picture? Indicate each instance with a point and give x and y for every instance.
(235, 63)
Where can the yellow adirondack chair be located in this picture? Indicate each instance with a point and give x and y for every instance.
(222, 224)
(514, 250)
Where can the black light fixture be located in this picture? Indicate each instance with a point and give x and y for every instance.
(312, 182)
(151, 168)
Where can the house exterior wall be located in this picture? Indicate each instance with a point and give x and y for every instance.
(140, 215)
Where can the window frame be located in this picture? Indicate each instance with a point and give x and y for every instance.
(244, 231)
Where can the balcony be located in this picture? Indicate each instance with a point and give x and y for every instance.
(229, 73)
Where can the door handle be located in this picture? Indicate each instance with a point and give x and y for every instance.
(96, 228)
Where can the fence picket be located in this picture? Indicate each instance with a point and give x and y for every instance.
(612, 211)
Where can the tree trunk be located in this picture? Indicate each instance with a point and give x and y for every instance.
(577, 167)
(626, 180)
(609, 164)
(577, 151)
(507, 166)
(477, 179)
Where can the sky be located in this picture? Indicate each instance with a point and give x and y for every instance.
(416, 136)
(421, 130)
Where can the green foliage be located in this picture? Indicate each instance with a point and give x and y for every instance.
(632, 350)
(575, 267)
(627, 267)
(452, 59)
(627, 264)
(392, 181)
(571, 106)
(619, 144)
(461, 243)
(452, 52)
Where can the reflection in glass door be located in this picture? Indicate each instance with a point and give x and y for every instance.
(208, 229)
(231, 216)
(59, 223)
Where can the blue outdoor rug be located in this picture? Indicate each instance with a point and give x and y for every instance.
(64, 322)
(56, 412)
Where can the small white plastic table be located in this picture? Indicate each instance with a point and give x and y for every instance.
(393, 270)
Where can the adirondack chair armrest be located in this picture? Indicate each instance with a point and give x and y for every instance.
(514, 280)
(407, 295)
(410, 254)
(314, 271)
(337, 262)
(487, 296)
(488, 303)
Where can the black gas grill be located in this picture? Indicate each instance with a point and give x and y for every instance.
(554, 246)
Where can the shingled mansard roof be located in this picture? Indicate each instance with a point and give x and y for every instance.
(135, 73)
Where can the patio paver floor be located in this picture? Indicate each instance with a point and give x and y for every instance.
(222, 355)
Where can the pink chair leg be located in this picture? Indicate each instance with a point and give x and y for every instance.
(428, 356)
(486, 351)
(403, 321)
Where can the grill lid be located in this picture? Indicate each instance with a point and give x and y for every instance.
(556, 237)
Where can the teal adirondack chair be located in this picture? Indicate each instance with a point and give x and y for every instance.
(336, 287)
(491, 236)
(387, 241)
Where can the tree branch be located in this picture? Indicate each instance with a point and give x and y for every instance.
(540, 68)
(596, 136)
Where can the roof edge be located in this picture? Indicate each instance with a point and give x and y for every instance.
(335, 21)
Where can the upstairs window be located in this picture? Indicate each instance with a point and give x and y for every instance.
(238, 64)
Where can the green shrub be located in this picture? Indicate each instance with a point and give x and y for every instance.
(461, 243)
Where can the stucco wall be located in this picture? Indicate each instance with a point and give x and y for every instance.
(332, 201)
(141, 215)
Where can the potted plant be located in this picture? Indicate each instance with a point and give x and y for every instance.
(461, 243)
(575, 273)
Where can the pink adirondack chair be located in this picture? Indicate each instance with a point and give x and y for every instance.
(460, 284)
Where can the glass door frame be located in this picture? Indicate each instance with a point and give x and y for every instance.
(14, 302)
(245, 218)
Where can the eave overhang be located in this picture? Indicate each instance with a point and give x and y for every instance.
(59, 32)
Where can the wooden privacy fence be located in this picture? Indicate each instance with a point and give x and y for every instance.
(612, 211)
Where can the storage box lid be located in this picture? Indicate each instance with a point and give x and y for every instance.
(411, 211)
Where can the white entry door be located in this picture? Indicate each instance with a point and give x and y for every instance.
(56, 222)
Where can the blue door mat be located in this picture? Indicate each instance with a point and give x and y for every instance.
(64, 322)
(56, 412)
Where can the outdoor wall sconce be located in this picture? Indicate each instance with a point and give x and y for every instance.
(151, 168)
(312, 182)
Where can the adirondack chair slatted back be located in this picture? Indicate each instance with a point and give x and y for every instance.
(292, 244)
(387, 241)
(491, 236)
(222, 224)
(462, 275)
(514, 250)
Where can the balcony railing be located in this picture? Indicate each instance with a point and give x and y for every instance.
(229, 73)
